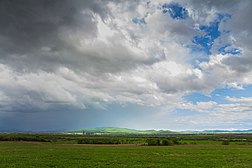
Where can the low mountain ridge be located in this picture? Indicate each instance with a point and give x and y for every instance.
(115, 130)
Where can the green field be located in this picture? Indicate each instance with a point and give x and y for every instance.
(44, 154)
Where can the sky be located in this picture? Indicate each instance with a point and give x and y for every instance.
(143, 64)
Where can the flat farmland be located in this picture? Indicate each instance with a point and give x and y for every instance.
(45, 154)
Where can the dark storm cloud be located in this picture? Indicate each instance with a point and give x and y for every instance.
(27, 25)
(30, 30)
(49, 33)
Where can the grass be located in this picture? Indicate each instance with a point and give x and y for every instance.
(37, 154)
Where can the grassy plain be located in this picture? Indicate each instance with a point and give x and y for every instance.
(45, 154)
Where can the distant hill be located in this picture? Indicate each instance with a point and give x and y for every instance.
(115, 130)
(217, 131)
(228, 131)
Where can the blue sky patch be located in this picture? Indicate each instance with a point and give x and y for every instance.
(197, 97)
(175, 10)
(219, 95)
(224, 16)
(227, 49)
(247, 92)
(211, 32)
(140, 21)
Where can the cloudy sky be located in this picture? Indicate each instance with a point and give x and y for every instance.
(144, 64)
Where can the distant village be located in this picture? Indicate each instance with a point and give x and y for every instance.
(88, 133)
